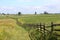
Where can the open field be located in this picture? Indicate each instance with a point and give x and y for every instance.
(9, 30)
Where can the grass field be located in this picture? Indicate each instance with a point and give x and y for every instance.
(40, 18)
(9, 30)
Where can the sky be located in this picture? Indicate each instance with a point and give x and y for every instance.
(29, 6)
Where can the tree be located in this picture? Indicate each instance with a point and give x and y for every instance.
(3, 13)
(35, 13)
(45, 12)
(19, 13)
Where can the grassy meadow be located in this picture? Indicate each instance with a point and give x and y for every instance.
(9, 30)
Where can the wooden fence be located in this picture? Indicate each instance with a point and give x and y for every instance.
(42, 27)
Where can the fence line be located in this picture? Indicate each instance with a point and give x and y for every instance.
(42, 26)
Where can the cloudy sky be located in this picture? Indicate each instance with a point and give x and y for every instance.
(29, 6)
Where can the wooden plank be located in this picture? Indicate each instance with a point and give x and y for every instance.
(56, 29)
(58, 35)
(56, 24)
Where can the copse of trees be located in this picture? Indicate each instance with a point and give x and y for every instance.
(3, 13)
(19, 13)
(45, 12)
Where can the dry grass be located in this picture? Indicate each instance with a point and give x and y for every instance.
(9, 30)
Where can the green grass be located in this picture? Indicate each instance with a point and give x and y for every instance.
(41, 18)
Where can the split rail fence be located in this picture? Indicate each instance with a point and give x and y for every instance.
(42, 28)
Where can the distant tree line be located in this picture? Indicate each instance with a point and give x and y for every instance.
(43, 13)
(19, 13)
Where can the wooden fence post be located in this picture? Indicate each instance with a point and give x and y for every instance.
(40, 27)
(51, 27)
(44, 31)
